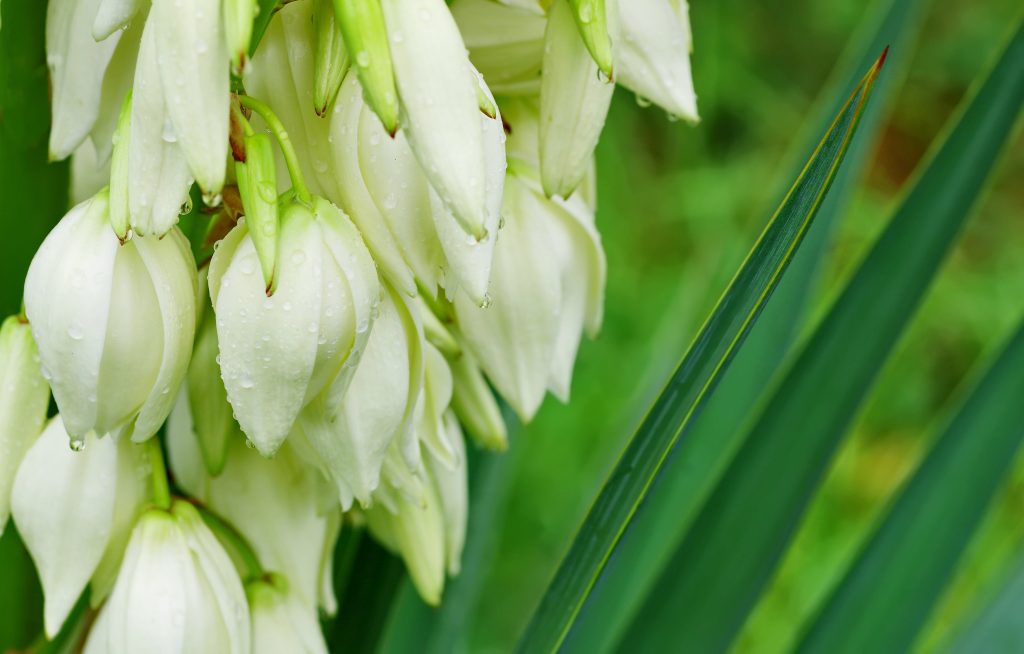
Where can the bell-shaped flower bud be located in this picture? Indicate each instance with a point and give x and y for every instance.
(23, 399)
(73, 510)
(278, 353)
(438, 94)
(238, 18)
(77, 64)
(574, 102)
(397, 209)
(113, 15)
(506, 44)
(331, 60)
(474, 403)
(351, 440)
(281, 622)
(158, 176)
(363, 30)
(257, 186)
(423, 516)
(547, 283)
(114, 323)
(592, 22)
(177, 588)
(120, 219)
(191, 52)
(651, 43)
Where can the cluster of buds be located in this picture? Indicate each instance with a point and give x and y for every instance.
(392, 208)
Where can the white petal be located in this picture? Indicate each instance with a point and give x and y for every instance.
(453, 493)
(513, 337)
(354, 196)
(117, 82)
(505, 43)
(268, 346)
(439, 104)
(158, 175)
(651, 46)
(112, 15)
(437, 396)
(67, 301)
(149, 604)
(63, 504)
(183, 454)
(225, 598)
(172, 269)
(281, 623)
(23, 400)
(77, 63)
(574, 102)
(192, 57)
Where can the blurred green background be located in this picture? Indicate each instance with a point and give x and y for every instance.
(679, 208)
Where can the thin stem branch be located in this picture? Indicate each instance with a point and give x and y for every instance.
(287, 149)
(161, 489)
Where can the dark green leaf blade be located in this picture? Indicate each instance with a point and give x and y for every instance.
(889, 591)
(717, 574)
(702, 366)
(996, 626)
(696, 463)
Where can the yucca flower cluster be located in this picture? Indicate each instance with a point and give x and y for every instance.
(396, 201)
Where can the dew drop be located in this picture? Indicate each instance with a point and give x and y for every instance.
(486, 301)
(363, 58)
(77, 444)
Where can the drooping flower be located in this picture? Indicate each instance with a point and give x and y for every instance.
(279, 352)
(74, 510)
(114, 323)
(177, 591)
(280, 623)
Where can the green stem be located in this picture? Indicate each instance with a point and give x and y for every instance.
(227, 533)
(287, 149)
(161, 490)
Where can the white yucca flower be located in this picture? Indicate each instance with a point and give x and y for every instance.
(397, 216)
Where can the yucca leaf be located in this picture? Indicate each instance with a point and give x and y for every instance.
(702, 366)
(718, 572)
(699, 459)
(995, 627)
(889, 591)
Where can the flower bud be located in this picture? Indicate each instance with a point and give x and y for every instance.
(177, 588)
(257, 186)
(113, 15)
(238, 18)
(331, 59)
(651, 43)
(474, 403)
(77, 64)
(73, 509)
(439, 105)
(589, 16)
(280, 622)
(158, 177)
(377, 408)
(279, 353)
(362, 28)
(547, 281)
(574, 102)
(119, 209)
(505, 43)
(23, 399)
(191, 52)
(114, 323)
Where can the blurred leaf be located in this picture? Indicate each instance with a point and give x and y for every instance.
(366, 579)
(890, 590)
(415, 627)
(996, 626)
(717, 574)
(698, 460)
(21, 597)
(267, 9)
(699, 370)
